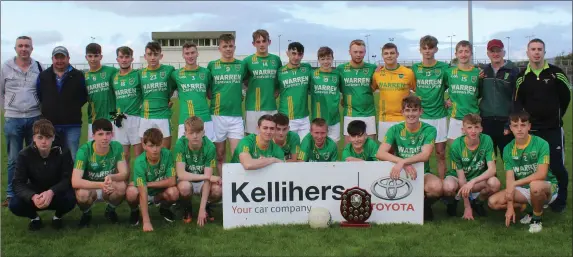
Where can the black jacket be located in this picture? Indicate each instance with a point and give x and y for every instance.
(545, 98)
(498, 91)
(35, 174)
(64, 106)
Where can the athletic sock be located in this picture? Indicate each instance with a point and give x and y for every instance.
(37, 218)
(537, 216)
(110, 207)
(430, 201)
(56, 218)
(136, 209)
(528, 209)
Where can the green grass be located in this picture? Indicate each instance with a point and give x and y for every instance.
(445, 236)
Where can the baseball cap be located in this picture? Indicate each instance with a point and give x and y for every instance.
(494, 43)
(60, 50)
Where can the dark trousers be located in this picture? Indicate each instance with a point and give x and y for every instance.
(61, 203)
(494, 129)
(556, 138)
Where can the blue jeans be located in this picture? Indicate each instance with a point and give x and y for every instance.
(16, 130)
(69, 137)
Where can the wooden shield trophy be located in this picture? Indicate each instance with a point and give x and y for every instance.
(355, 207)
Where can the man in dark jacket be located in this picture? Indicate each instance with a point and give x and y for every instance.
(43, 178)
(544, 91)
(497, 93)
(62, 92)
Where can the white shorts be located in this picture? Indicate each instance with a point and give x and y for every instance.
(300, 126)
(370, 124)
(91, 134)
(383, 127)
(253, 120)
(207, 126)
(441, 126)
(162, 124)
(128, 134)
(334, 132)
(473, 195)
(197, 186)
(455, 129)
(527, 194)
(227, 127)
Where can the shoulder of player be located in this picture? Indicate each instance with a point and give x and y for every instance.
(427, 127)
(208, 144)
(165, 153)
(293, 135)
(116, 145)
(538, 141)
(86, 147)
(486, 139)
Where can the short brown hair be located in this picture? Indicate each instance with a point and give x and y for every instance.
(189, 45)
(325, 51)
(536, 40)
(472, 119)
(266, 117)
(226, 37)
(43, 127)
(320, 122)
(429, 41)
(24, 37)
(126, 50)
(389, 46)
(93, 48)
(155, 47)
(411, 101)
(194, 124)
(358, 42)
(464, 43)
(522, 116)
(281, 119)
(153, 136)
(260, 33)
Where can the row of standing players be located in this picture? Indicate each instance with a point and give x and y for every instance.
(143, 96)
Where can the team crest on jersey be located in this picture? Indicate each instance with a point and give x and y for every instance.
(420, 70)
(162, 74)
(182, 73)
(103, 75)
(438, 72)
(325, 79)
(303, 69)
(401, 76)
(366, 70)
(273, 62)
(474, 79)
(237, 67)
(202, 76)
(116, 79)
(334, 79)
(533, 155)
(428, 73)
(131, 81)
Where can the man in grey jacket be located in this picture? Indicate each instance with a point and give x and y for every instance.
(19, 102)
(498, 92)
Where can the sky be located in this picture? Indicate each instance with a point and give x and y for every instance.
(313, 23)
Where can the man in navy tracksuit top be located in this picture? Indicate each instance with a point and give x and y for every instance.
(62, 92)
(543, 90)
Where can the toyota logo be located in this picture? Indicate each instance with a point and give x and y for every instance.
(391, 189)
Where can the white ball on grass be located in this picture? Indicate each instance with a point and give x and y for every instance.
(319, 217)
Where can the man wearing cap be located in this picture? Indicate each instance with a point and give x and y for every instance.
(62, 93)
(497, 91)
(18, 100)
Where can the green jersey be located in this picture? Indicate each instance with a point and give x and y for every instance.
(463, 89)
(157, 87)
(195, 161)
(293, 84)
(368, 153)
(192, 88)
(96, 167)
(430, 87)
(523, 162)
(309, 152)
(127, 90)
(291, 146)
(262, 73)
(227, 87)
(472, 162)
(356, 90)
(325, 96)
(101, 98)
(249, 144)
(409, 143)
(145, 172)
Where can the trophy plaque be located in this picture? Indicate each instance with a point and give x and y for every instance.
(355, 207)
